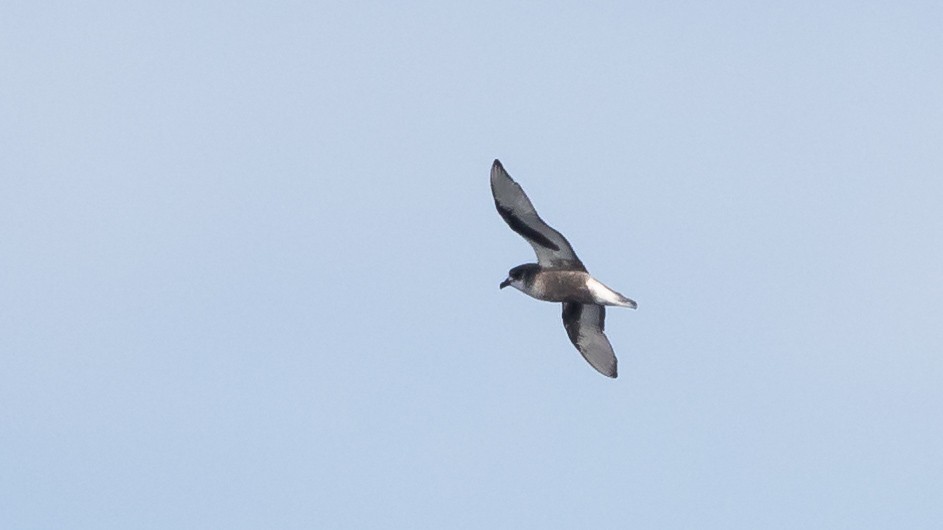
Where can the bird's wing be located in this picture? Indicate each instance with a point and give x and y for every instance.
(553, 250)
(584, 324)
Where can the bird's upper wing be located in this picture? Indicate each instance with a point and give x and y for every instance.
(553, 250)
(584, 324)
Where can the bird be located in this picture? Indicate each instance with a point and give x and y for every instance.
(558, 275)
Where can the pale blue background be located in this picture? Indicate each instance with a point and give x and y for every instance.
(249, 265)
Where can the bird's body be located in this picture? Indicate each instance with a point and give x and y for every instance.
(567, 286)
(558, 275)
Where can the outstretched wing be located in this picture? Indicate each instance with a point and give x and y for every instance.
(553, 250)
(584, 324)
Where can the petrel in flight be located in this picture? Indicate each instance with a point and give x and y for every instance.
(558, 275)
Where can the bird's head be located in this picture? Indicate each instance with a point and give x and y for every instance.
(521, 275)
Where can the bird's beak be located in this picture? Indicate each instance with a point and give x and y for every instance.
(505, 283)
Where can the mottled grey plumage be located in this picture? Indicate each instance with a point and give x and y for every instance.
(558, 275)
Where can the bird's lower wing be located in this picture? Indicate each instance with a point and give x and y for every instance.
(585, 324)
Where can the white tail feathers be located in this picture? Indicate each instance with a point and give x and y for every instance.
(606, 296)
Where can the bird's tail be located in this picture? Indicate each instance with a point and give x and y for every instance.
(603, 295)
(627, 302)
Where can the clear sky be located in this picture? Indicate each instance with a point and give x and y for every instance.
(249, 264)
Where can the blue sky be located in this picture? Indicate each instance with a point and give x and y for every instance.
(251, 265)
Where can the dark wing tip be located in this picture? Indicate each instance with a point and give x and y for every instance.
(498, 174)
(608, 371)
(615, 372)
(497, 169)
(611, 370)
